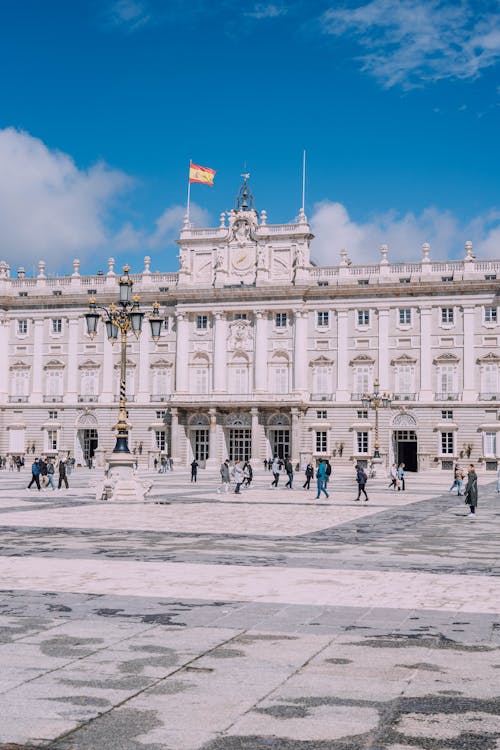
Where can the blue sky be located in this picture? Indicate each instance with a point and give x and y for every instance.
(103, 103)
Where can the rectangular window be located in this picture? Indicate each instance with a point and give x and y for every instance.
(166, 324)
(362, 414)
(490, 315)
(240, 379)
(22, 327)
(447, 315)
(322, 319)
(490, 444)
(447, 414)
(54, 383)
(404, 379)
(362, 442)
(321, 441)
(201, 380)
(447, 443)
(52, 415)
(404, 316)
(362, 379)
(201, 322)
(160, 415)
(363, 317)
(447, 379)
(52, 440)
(240, 316)
(280, 320)
(280, 379)
(489, 379)
(321, 414)
(56, 325)
(322, 381)
(160, 440)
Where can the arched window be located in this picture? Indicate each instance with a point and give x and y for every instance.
(279, 373)
(200, 374)
(239, 372)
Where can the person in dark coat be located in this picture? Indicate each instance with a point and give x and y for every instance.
(194, 471)
(35, 474)
(361, 479)
(471, 490)
(309, 476)
(62, 475)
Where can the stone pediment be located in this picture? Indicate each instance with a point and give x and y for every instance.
(20, 365)
(362, 359)
(89, 365)
(160, 363)
(404, 359)
(54, 364)
(446, 359)
(490, 358)
(320, 362)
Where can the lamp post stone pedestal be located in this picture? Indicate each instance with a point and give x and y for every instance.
(120, 483)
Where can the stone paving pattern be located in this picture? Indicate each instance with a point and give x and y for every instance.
(203, 621)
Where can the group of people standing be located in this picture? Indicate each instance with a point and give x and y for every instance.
(43, 471)
(241, 473)
(469, 491)
(397, 476)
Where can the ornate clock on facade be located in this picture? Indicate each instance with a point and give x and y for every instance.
(242, 259)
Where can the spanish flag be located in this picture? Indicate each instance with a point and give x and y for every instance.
(205, 175)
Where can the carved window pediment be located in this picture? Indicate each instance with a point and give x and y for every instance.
(89, 365)
(362, 359)
(129, 364)
(320, 362)
(54, 364)
(490, 358)
(20, 365)
(200, 420)
(160, 363)
(446, 359)
(279, 420)
(404, 359)
(404, 419)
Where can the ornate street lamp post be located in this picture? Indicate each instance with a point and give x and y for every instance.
(123, 317)
(376, 400)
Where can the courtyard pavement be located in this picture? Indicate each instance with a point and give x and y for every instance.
(269, 620)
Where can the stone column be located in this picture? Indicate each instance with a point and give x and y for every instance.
(300, 351)
(73, 338)
(342, 356)
(143, 394)
(174, 438)
(107, 395)
(181, 354)
(468, 356)
(383, 348)
(426, 393)
(255, 433)
(220, 345)
(260, 372)
(4, 361)
(37, 373)
(295, 445)
(212, 460)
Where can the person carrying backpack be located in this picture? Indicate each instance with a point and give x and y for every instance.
(361, 479)
(50, 474)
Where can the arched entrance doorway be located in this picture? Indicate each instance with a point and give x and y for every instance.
(87, 439)
(199, 428)
(404, 441)
(278, 432)
(238, 436)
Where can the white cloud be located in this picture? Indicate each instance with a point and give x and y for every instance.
(129, 14)
(51, 210)
(334, 229)
(264, 10)
(48, 207)
(408, 42)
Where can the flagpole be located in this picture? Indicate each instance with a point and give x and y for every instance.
(303, 180)
(189, 192)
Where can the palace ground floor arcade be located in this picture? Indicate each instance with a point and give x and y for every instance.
(423, 436)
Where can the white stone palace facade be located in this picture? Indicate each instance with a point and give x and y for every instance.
(262, 352)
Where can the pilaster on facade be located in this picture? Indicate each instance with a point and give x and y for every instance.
(469, 391)
(37, 370)
(426, 391)
(260, 365)
(383, 348)
(220, 349)
(342, 392)
(182, 353)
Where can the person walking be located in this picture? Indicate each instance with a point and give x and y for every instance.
(309, 475)
(50, 474)
(63, 476)
(35, 474)
(43, 473)
(289, 472)
(328, 471)
(224, 476)
(471, 490)
(238, 476)
(194, 470)
(393, 474)
(401, 476)
(275, 467)
(248, 471)
(361, 479)
(498, 481)
(321, 479)
(458, 477)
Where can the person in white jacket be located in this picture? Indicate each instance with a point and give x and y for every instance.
(238, 476)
